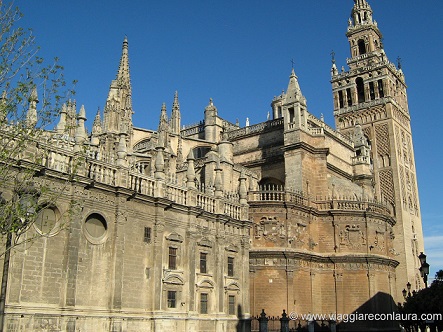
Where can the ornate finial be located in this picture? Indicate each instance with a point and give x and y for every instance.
(175, 104)
(333, 56)
(96, 126)
(399, 63)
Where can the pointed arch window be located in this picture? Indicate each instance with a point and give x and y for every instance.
(349, 96)
(380, 89)
(361, 47)
(372, 90)
(360, 89)
(340, 99)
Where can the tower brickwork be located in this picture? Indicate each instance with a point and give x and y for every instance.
(372, 93)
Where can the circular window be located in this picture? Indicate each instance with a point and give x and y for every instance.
(46, 220)
(95, 227)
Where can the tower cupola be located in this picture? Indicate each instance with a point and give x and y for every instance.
(361, 13)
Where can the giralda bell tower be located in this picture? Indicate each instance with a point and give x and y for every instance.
(372, 92)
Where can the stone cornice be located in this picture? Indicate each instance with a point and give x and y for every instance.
(289, 253)
(307, 147)
(339, 171)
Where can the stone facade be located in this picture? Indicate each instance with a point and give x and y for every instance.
(195, 228)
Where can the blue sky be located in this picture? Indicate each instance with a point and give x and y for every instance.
(239, 53)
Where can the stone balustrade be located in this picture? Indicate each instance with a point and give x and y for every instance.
(278, 194)
(101, 172)
(255, 129)
(63, 158)
(141, 184)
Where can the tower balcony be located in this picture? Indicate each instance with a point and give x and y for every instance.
(275, 194)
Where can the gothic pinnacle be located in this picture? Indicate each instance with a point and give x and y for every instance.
(293, 90)
(123, 77)
(176, 103)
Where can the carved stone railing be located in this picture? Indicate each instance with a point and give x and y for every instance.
(255, 129)
(193, 129)
(58, 160)
(206, 202)
(360, 160)
(278, 194)
(353, 205)
(232, 210)
(316, 131)
(101, 172)
(60, 154)
(141, 184)
(176, 194)
(327, 129)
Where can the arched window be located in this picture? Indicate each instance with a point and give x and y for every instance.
(360, 89)
(361, 47)
(349, 96)
(380, 89)
(340, 99)
(372, 90)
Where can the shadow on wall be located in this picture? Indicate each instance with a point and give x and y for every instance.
(243, 325)
(376, 314)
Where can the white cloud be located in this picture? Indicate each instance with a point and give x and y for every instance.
(434, 253)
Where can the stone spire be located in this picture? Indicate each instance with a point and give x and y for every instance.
(190, 172)
(242, 190)
(218, 182)
(163, 127)
(294, 92)
(97, 124)
(71, 122)
(211, 117)
(118, 110)
(123, 78)
(175, 117)
(61, 125)
(163, 123)
(31, 115)
(96, 129)
(159, 163)
(80, 133)
(361, 14)
(294, 105)
(122, 150)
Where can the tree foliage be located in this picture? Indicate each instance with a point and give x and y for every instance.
(426, 301)
(32, 93)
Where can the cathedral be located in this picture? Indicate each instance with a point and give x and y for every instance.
(199, 227)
